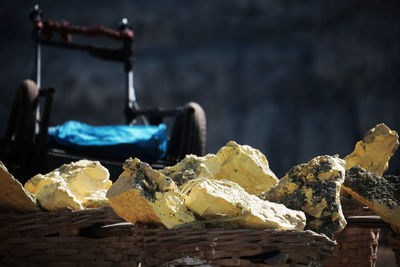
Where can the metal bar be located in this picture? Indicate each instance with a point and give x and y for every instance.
(131, 98)
(38, 77)
(41, 146)
(38, 62)
(48, 93)
(65, 30)
(36, 18)
(102, 52)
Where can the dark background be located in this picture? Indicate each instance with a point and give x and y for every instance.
(295, 79)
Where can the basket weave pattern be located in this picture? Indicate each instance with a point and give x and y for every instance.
(352, 207)
(51, 238)
(227, 247)
(356, 246)
(394, 241)
(62, 222)
(69, 251)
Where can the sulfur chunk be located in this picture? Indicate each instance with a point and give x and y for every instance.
(171, 209)
(96, 199)
(230, 206)
(191, 167)
(314, 188)
(142, 194)
(375, 150)
(13, 196)
(78, 185)
(243, 165)
(36, 182)
(56, 195)
(380, 194)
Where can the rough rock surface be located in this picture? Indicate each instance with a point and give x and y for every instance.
(229, 205)
(96, 199)
(56, 195)
(375, 150)
(191, 167)
(243, 165)
(314, 188)
(13, 196)
(78, 185)
(144, 195)
(380, 194)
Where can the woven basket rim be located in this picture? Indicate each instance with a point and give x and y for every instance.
(53, 222)
(302, 246)
(213, 244)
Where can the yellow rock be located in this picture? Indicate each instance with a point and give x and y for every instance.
(191, 167)
(380, 194)
(144, 195)
(78, 185)
(229, 205)
(171, 209)
(96, 199)
(36, 182)
(375, 150)
(243, 165)
(314, 188)
(56, 195)
(13, 196)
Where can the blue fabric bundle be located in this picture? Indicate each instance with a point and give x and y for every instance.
(142, 141)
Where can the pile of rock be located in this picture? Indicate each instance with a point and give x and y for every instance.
(235, 188)
(78, 185)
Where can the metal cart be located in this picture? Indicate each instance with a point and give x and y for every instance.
(25, 150)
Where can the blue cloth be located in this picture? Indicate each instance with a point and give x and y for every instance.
(142, 141)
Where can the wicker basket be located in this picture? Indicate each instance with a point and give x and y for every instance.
(394, 242)
(242, 247)
(63, 222)
(98, 238)
(353, 207)
(357, 246)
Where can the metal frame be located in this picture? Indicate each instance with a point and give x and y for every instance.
(27, 157)
(125, 55)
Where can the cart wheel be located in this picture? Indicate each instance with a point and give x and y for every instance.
(22, 118)
(197, 133)
(188, 133)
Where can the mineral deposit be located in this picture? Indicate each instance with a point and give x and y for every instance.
(144, 195)
(78, 185)
(243, 165)
(374, 151)
(228, 205)
(13, 196)
(314, 188)
(380, 194)
(191, 167)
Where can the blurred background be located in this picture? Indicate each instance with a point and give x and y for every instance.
(294, 79)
